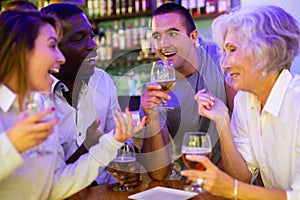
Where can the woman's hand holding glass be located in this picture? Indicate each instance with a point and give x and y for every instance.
(213, 179)
(29, 131)
(35, 102)
(195, 143)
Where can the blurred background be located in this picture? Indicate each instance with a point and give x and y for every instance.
(125, 50)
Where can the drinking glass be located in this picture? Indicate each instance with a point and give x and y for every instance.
(163, 73)
(124, 161)
(34, 102)
(195, 143)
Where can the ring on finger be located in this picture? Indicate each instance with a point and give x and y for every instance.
(200, 181)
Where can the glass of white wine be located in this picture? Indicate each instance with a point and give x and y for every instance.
(195, 143)
(123, 163)
(34, 102)
(163, 73)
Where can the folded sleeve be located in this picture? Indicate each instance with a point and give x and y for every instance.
(9, 156)
(240, 133)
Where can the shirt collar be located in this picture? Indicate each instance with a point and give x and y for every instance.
(7, 98)
(276, 96)
(55, 81)
(278, 92)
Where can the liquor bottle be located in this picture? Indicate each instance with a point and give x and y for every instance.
(103, 8)
(111, 7)
(138, 6)
(222, 6)
(115, 36)
(193, 8)
(131, 8)
(96, 7)
(144, 6)
(124, 6)
(135, 33)
(122, 39)
(210, 6)
(129, 36)
(109, 50)
(102, 49)
(201, 7)
(118, 7)
(91, 9)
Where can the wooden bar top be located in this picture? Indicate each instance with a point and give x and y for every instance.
(105, 192)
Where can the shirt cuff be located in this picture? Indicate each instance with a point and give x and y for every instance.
(106, 150)
(10, 156)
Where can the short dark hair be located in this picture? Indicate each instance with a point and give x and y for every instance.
(62, 11)
(22, 5)
(182, 11)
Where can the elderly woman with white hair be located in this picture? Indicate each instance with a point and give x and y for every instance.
(258, 46)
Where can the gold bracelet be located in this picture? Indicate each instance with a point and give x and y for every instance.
(235, 189)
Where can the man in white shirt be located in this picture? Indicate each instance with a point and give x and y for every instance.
(88, 90)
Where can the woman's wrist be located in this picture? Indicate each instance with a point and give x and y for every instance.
(223, 123)
(235, 189)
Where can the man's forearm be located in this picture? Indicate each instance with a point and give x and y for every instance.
(156, 155)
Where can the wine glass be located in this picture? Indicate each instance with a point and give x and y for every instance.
(34, 102)
(195, 143)
(163, 73)
(123, 163)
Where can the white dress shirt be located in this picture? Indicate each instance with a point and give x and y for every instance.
(270, 140)
(45, 176)
(97, 99)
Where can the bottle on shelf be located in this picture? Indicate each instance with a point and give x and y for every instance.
(210, 6)
(138, 6)
(135, 33)
(102, 49)
(111, 7)
(124, 6)
(115, 36)
(90, 10)
(122, 40)
(109, 51)
(193, 8)
(201, 7)
(223, 5)
(131, 8)
(129, 36)
(118, 7)
(102, 7)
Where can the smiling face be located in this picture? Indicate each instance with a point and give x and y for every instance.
(45, 58)
(171, 40)
(240, 67)
(78, 47)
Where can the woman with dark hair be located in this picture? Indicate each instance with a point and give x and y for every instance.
(28, 54)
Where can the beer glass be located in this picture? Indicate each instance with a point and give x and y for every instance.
(195, 143)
